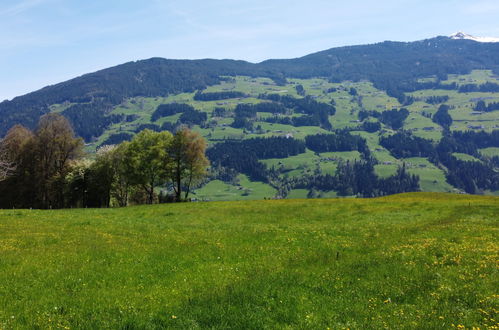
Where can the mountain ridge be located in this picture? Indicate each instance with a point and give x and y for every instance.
(463, 35)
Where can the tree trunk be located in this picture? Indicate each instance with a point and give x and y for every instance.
(179, 183)
(151, 194)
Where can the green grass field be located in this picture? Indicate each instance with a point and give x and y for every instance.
(245, 189)
(427, 261)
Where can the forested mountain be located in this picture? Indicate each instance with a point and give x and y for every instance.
(364, 120)
(391, 66)
(103, 89)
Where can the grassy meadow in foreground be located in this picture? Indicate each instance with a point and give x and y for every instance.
(424, 260)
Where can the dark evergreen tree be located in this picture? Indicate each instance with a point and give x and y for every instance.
(404, 145)
(442, 117)
(218, 96)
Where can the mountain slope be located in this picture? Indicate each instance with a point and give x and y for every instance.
(389, 63)
(351, 121)
(110, 86)
(391, 66)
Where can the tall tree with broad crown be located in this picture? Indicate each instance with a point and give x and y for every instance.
(55, 146)
(146, 154)
(188, 162)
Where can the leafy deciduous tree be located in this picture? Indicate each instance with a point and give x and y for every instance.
(146, 154)
(188, 161)
(10, 149)
(55, 145)
(122, 173)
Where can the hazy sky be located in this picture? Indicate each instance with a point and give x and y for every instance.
(43, 42)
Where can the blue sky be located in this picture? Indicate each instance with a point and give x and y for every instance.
(44, 42)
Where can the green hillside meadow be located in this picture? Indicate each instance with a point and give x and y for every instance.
(422, 260)
(432, 178)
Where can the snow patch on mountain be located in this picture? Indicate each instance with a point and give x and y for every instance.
(462, 35)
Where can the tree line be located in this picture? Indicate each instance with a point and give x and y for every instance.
(355, 178)
(244, 155)
(392, 118)
(314, 113)
(215, 96)
(470, 176)
(170, 109)
(47, 167)
(340, 140)
(482, 106)
(487, 87)
(437, 99)
(90, 120)
(188, 115)
(405, 145)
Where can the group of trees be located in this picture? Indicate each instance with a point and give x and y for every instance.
(474, 140)
(220, 112)
(437, 84)
(189, 116)
(487, 87)
(41, 159)
(442, 117)
(437, 99)
(244, 155)
(169, 109)
(482, 106)
(405, 145)
(313, 113)
(300, 90)
(364, 114)
(269, 107)
(215, 96)
(358, 178)
(246, 114)
(392, 118)
(45, 168)
(395, 118)
(338, 141)
(192, 117)
(371, 126)
(90, 120)
(351, 178)
(470, 176)
(298, 121)
(355, 178)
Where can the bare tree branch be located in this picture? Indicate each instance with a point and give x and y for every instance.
(6, 167)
